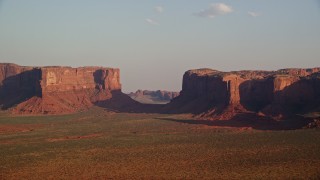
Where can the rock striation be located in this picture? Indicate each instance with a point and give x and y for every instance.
(223, 95)
(55, 90)
(207, 93)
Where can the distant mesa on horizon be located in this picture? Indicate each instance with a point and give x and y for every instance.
(153, 97)
(207, 94)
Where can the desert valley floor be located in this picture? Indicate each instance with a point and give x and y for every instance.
(99, 144)
(189, 89)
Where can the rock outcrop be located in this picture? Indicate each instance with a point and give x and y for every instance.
(208, 93)
(223, 95)
(55, 90)
(314, 124)
(153, 97)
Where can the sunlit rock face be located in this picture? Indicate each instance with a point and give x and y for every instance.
(66, 78)
(210, 94)
(55, 90)
(222, 95)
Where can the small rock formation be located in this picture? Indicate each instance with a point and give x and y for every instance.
(314, 124)
(55, 90)
(153, 97)
(223, 95)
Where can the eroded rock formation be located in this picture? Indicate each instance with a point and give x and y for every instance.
(55, 90)
(224, 95)
(208, 93)
(153, 97)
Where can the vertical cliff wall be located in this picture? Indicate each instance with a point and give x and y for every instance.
(55, 90)
(222, 95)
(61, 79)
(18, 83)
(208, 93)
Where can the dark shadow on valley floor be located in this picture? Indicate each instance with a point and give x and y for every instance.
(250, 121)
(120, 102)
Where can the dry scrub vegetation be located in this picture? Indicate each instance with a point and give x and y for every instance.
(99, 144)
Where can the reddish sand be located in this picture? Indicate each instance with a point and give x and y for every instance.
(74, 137)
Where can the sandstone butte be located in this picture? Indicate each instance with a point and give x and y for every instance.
(55, 90)
(224, 95)
(207, 93)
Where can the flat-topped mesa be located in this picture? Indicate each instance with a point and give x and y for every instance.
(220, 95)
(153, 97)
(55, 79)
(54, 89)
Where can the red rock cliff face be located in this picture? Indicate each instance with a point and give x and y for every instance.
(18, 83)
(222, 95)
(61, 79)
(293, 94)
(55, 90)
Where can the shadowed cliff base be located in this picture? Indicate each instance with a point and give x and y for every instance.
(251, 121)
(242, 97)
(278, 94)
(20, 87)
(120, 102)
(55, 89)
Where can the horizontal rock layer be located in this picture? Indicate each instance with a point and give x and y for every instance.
(55, 90)
(223, 95)
(208, 93)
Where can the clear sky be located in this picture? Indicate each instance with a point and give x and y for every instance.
(155, 42)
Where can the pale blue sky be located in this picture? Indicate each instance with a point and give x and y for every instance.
(155, 42)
